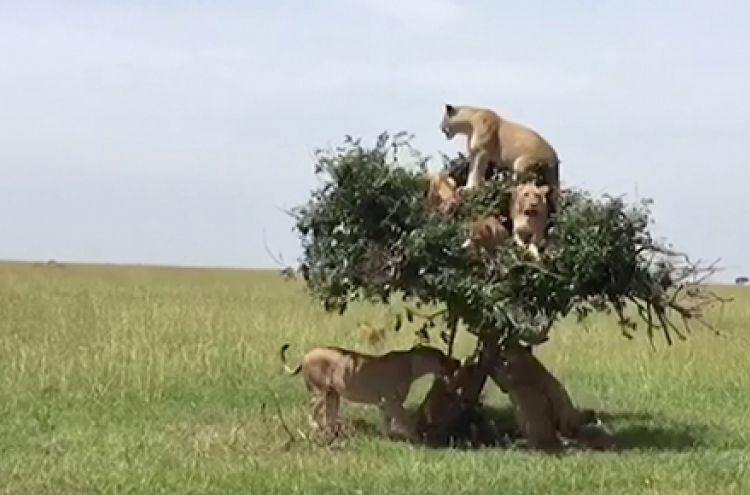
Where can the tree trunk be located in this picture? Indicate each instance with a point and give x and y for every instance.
(449, 409)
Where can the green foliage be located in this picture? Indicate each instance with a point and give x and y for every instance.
(368, 234)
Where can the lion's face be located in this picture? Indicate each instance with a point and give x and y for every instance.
(514, 366)
(531, 200)
(447, 124)
(443, 193)
(487, 228)
(480, 230)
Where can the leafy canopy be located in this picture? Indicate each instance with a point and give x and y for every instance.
(367, 233)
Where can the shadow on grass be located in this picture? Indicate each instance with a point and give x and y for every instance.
(365, 428)
(677, 438)
(634, 430)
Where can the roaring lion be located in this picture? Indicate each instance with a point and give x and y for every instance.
(509, 145)
(529, 213)
(442, 193)
(383, 380)
(487, 232)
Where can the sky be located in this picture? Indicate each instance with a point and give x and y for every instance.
(178, 132)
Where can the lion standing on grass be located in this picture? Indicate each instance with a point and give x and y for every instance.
(383, 380)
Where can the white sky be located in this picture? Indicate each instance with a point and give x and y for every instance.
(176, 132)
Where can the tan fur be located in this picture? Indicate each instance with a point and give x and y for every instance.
(493, 139)
(442, 194)
(383, 380)
(531, 407)
(529, 370)
(529, 213)
(374, 335)
(540, 402)
(533, 415)
(487, 232)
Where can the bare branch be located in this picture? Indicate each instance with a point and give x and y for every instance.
(429, 317)
(278, 260)
(280, 417)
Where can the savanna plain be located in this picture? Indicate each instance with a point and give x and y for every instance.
(147, 380)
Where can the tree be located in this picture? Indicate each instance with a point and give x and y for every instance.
(368, 234)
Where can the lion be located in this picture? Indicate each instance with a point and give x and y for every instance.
(533, 413)
(529, 214)
(504, 143)
(442, 194)
(383, 380)
(542, 407)
(487, 232)
(374, 335)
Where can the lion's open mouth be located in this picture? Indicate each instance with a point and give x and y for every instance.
(531, 212)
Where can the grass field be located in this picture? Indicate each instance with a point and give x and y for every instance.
(152, 380)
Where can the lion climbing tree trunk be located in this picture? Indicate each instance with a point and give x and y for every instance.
(545, 415)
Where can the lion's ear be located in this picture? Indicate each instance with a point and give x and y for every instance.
(450, 110)
(544, 189)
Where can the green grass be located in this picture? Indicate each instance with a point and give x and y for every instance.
(152, 380)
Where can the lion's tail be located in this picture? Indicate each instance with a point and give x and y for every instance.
(288, 370)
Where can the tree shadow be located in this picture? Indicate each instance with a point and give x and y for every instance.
(635, 430)
(365, 428)
(677, 438)
(634, 416)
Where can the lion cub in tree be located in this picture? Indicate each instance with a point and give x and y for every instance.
(493, 139)
(443, 192)
(529, 213)
(383, 380)
(487, 232)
